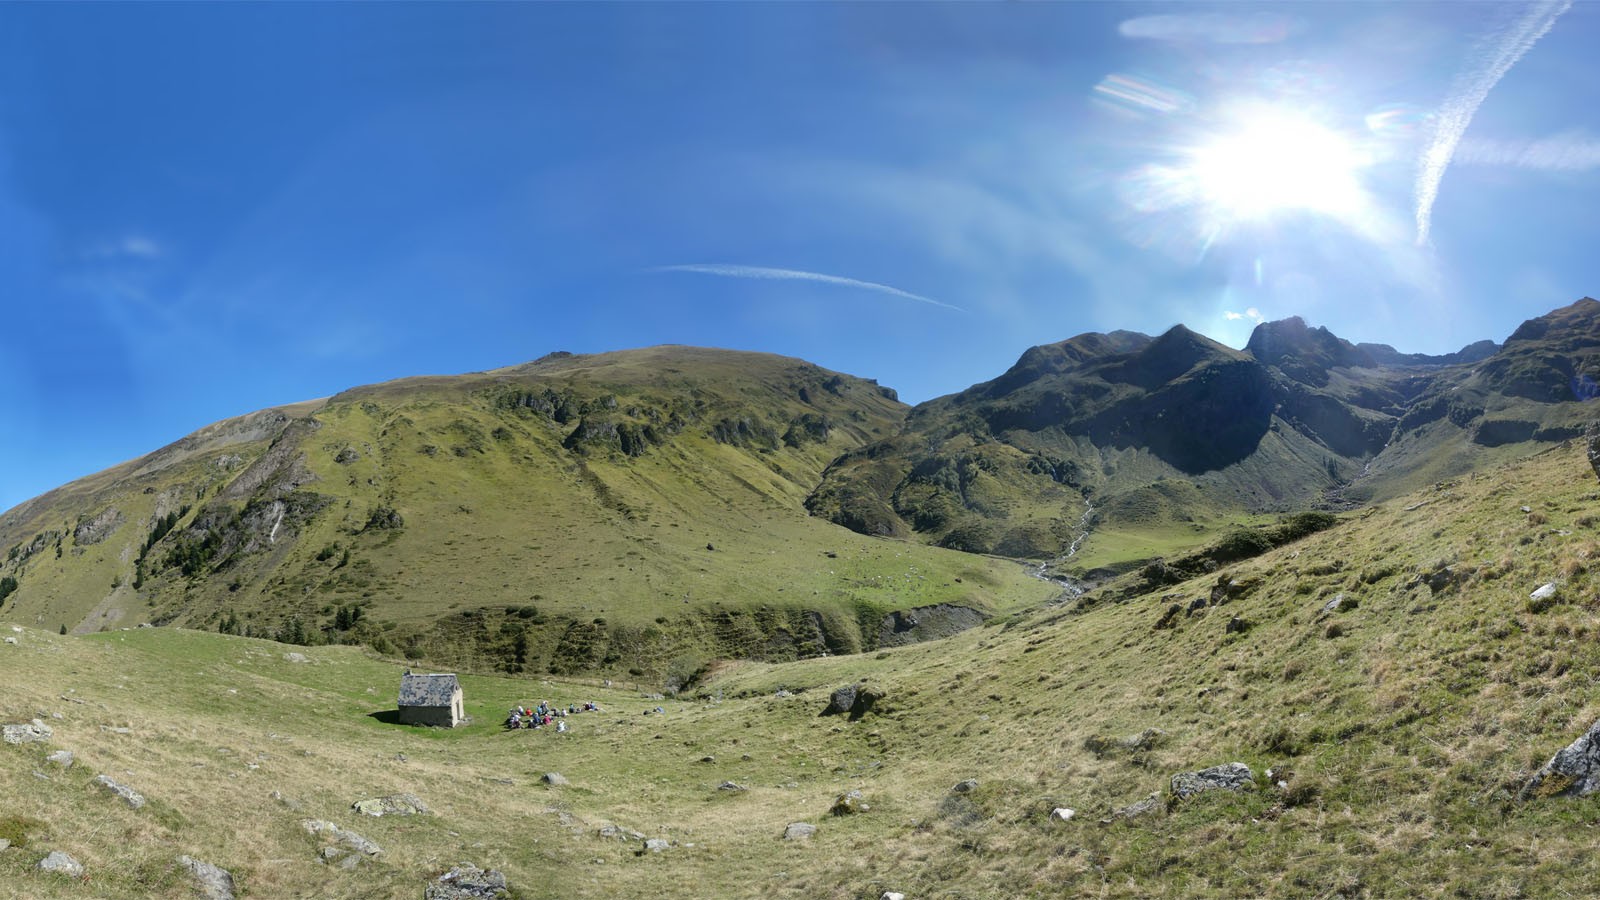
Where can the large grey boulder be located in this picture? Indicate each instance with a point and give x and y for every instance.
(799, 831)
(28, 733)
(124, 793)
(1573, 772)
(467, 882)
(1234, 776)
(854, 699)
(392, 805)
(840, 701)
(213, 882)
(62, 758)
(61, 864)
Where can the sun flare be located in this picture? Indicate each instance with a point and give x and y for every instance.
(1276, 160)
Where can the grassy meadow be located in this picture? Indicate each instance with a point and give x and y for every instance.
(1406, 720)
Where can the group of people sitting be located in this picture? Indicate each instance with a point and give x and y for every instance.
(547, 713)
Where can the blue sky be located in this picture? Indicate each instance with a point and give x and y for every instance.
(209, 209)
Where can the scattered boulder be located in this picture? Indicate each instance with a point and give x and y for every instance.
(296, 657)
(61, 864)
(731, 786)
(1573, 772)
(126, 794)
(11, 640)
(554, 779)
(1237, 625)
(5, 844)
(1170, 617)
(1542, 598)
(348, 848)
(853, 699)
(467, 882)
(1338, 603)
(1234, 776)
(1147, 806)
(1062, 814)
(392, 805)
(347, 456)
(656, 845)
(1148, 739)
(799, 831)
(62, 758)
(617, 832)
(213, 882)
(841, 700)
(849, 803)
(892, 895)
(29, 733)
(965, 787)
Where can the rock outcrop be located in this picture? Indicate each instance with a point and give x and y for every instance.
(29, 733)
(126, 794)
(1234, 776)
(392, 805)
(212, 882)
(467, 882)
(61, 864)
(1573, 772)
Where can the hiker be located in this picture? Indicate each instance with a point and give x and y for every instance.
(561, 727)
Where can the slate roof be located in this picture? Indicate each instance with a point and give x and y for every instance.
(427, 690)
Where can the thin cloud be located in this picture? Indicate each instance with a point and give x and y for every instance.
(133, 246)
(1214, 28)
(764, 273)
(1505, 48)
(1252, 314)
(1563, 153)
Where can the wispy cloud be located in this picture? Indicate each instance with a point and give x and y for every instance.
(1252, 314)
(764, 273)
(1214, 28)
(133, 246)
(1471, 88)
(1562, 153)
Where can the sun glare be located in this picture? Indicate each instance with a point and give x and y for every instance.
(1274, 161)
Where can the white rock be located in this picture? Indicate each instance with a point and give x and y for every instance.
(892, 895)
(11, 640)
(61, 863)
(1544, 592)
(1063, 813)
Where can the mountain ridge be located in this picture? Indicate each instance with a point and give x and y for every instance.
(475, 517)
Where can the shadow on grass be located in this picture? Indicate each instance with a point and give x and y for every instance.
(386, 716)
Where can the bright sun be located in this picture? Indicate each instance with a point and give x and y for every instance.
(1277, 160)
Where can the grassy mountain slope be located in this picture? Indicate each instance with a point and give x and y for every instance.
(1402, 723)
(632, 513)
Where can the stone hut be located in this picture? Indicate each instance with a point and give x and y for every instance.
(431, 700)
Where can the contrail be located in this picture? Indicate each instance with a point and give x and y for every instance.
(762, 272)
(1564, 153)
(1469, 93)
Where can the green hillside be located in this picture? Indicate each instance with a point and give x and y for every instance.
(1403, 722)
(634, 514)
